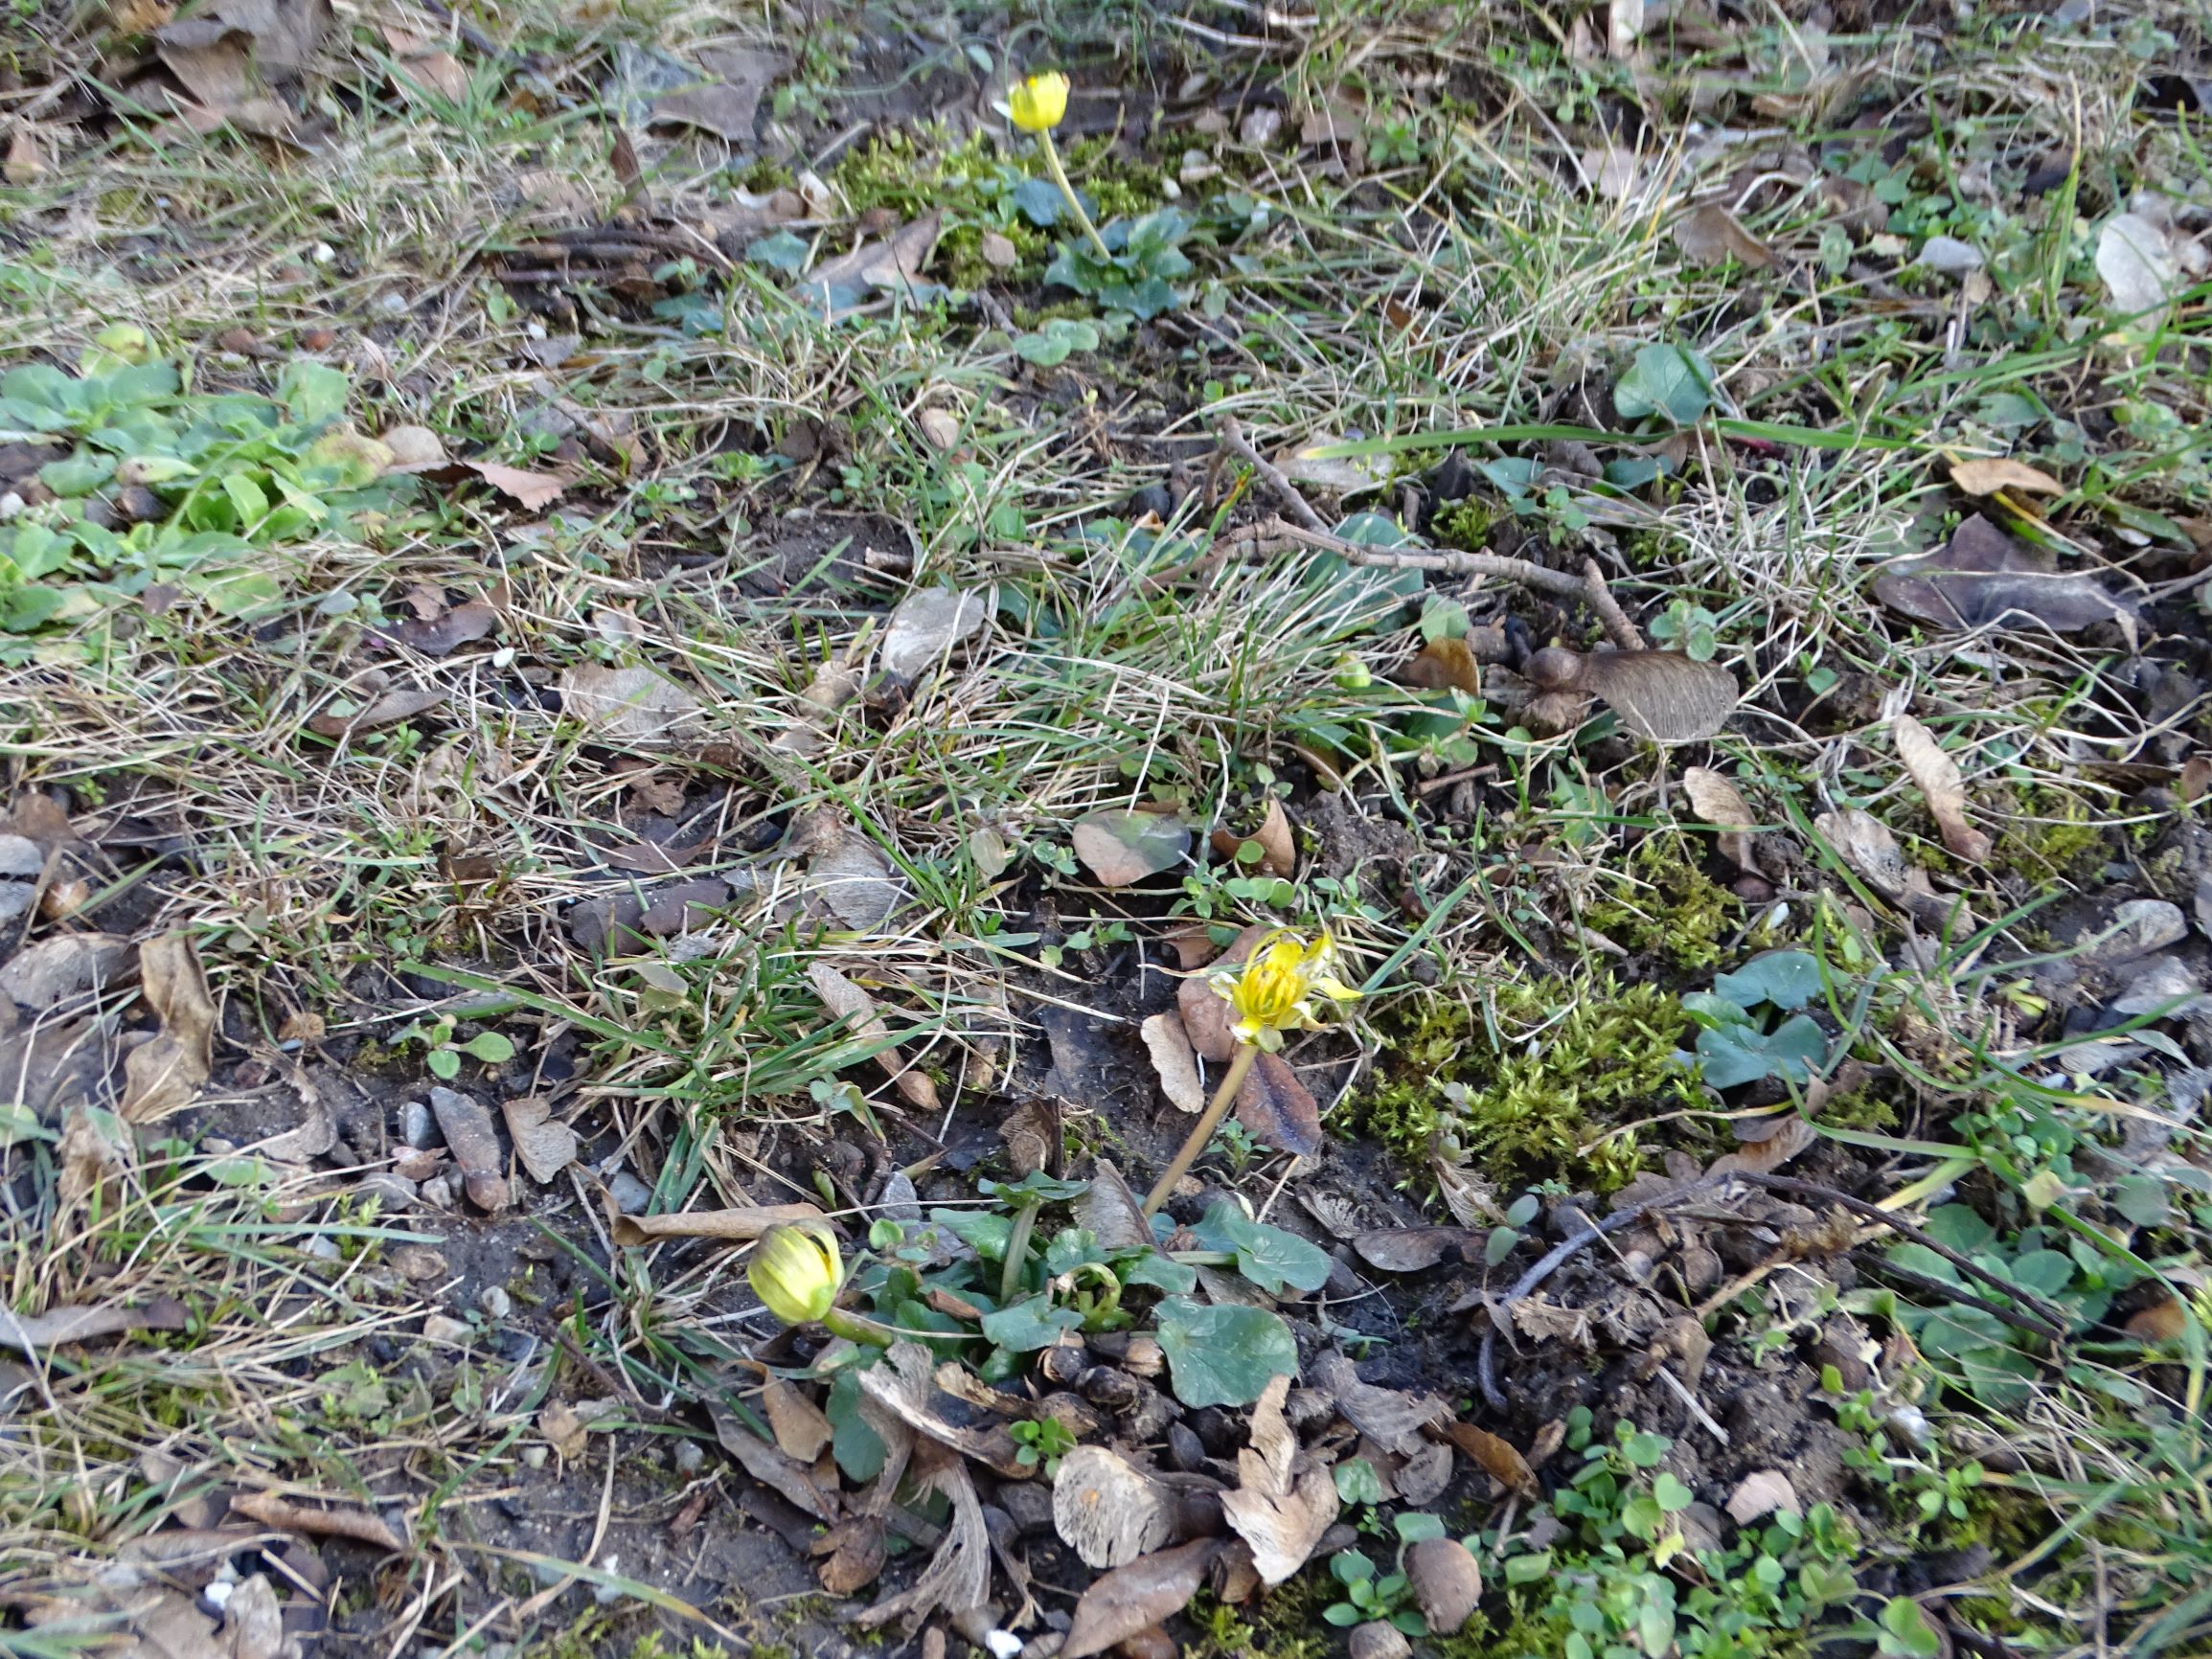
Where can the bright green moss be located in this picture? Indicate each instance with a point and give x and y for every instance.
(1662, 903)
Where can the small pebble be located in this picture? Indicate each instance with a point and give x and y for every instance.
(440, 1191)
(690, 1457)
(416, 1127)
(323, 1247)
(631, 1196)
(534, 1455)
(444, 1328)
(495, 1301)
(1185, 1452)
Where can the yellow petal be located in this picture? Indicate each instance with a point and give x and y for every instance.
(1040, 103)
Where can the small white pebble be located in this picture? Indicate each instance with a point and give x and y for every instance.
(322, 1247)
(690, 1457)
(1004, 1643)
(322, 253)
(11, 503)
(534, 1455)
(495, 1301)
(607, 1594)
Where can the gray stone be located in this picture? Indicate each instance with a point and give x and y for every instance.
(631, 1196)
(1949, 256)
(418, 1128)
(690, 1458)
(495, 1301)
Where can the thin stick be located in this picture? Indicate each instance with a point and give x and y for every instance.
(1588, 588)
(1302, 509)
(1203, 1131)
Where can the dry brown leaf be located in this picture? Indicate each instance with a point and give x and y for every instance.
(929, 623)
(564, 1431)
(1446, 665)
(1445, 1583)
(1107, 1509)
(441, 635)
(785, 1475)
(1865, 844)
(740, 1225)
(315, 1134)
(1718, 801)
(165, 1074)
(626, 706)
(253, 1622)
(1410, 1249)
(2165, 1320)
(529, 489)
(725, 98)
(800, 1427)
(57, 1325)
(1939, 779)
(26, 161)
(850, 1003)
(1205, 1011)
(856, 880)
(1032, 1134)
(389, 709)
(1420, 1478)
(286, 1515)
(1712, 236)
(1791, 1135)
(1137, 1597)
(1278, 1109)
(1172, 1058)
(1497, 1457)
(1109, 1212)
(1988, 476)
(1762, 1492)
(1391, 1418)
(853, 1555)
(59, 970)
(1282, 1503)
(1278, 849)
(94, 1153)
(1122, 846)
(545, 1145)
(1984, 577)
(856, 281)
(958, 1577)
(904, 1383)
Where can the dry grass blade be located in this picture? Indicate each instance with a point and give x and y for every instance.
(739, 1225)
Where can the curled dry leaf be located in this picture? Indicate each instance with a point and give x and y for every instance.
(1446, 665)
(929, 623)
(1391, 1418)
(1791, 1135)
(1939, 779)
(1988, 476)
(1498, 1457)
(1107, 1509)
(771, 1465)
(1205, 1011)
(904, 1384)
(1718, 801)
(1109, 1212)
(442, 635)
(800, 1427)
(848, 1001)
(1122, 846)
(856, 880)
(626, 706)
(1663, 696)
(1422, 1474)
(1865, 844)
(1278, 1109)
(1172, 1058)
(545, 1145)
(386, 710)
(1762, 1492)
(1712, 234)
(1283, 1502)
(1278, 849)
(958, 1577)
(529, 489)
(57, 1325)
(1411, 1249)
(165, 1074)
(1984, 577)
(852, 1555)
(564, 1430)
(360, 1524)
(1137, 1597)
(740, 1225)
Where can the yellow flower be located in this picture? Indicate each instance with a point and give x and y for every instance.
(1273, 990)
(1038, 102)
(796, 1270)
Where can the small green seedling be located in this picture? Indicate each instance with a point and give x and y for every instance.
(445, 1057)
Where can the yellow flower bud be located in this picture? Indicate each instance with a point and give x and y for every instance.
(1273, 990)
(796, 1271)
(1038, 102)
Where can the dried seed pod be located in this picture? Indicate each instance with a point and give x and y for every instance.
(1663, 696)
(1378, 1639)
(1062, 1363)
(1104, 1385)
(1143, 1356)
(1445, 1581)
(1072, 1412)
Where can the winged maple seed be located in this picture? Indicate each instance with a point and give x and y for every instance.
(1663, 696)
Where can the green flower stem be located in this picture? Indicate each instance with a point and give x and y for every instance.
(855, 1328)
(1016, 1253)
(1074, 201)
(1203, 1131)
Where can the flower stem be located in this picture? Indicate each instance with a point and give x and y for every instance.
(1017, 1252)
(1203, 1131)
(857, 1327)
(1074, 201)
